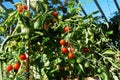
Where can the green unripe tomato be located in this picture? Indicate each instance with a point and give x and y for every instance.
(101, 69)
(79, 60)
(87, 64)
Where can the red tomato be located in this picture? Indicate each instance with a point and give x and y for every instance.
(45, 26)
(64, 50)
(70, 55)
(22, 56)
(67, 29)
(16, 66)
(86, 49)
(9, 68)
(54, 13)
(62, 42)
(25, 7)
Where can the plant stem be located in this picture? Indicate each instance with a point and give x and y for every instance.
(27, 65)
(28, 46)
(1, 71)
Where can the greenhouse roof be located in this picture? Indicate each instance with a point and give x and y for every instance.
(106, 8)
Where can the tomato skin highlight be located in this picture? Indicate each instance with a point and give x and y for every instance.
(70, 55)
(22, 56)
(9, 68)
(16, 66)
(62, 42)
(67, 29)
(64, 50)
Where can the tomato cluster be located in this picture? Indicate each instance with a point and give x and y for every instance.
(21, 7)
(66, 49)
(15, 66)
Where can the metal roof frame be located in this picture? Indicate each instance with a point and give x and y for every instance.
(100, 9)
(83, 10)
(116, 3)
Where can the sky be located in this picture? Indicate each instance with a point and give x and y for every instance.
(89, 6)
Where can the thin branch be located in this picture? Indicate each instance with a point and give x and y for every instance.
(10, 37)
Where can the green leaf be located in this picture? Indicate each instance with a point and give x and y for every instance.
(104, 76)
(95, 12)
(2, 29)
(46, 39)
(58, 60)
(81, 67)
(114, 76)
(109, 52)
(71, 3)
(47, 63)
(53, 70)
(72, 61)
(19, 78)
(37, 24)
(109, 32)
(42, 7)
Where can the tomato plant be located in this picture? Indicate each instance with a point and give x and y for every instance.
(57, 43)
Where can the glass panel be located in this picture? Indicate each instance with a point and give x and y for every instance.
(8, 5)
(108, 7)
